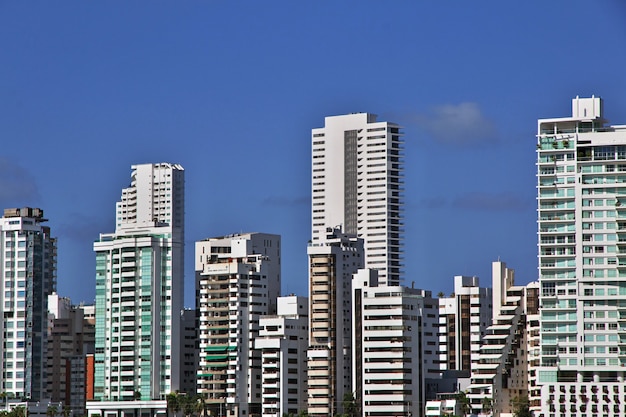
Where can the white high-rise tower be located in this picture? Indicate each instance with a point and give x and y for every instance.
(139, 289)
(27, 276)
(582, 262)
(237, 283)
(357, 184)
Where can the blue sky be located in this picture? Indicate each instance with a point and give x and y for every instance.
(230, 90)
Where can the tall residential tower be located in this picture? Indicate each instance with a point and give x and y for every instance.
(332, 263)
(237, 283)
(139, 289)
(27, 276)
(357, 185)
(463, 320)
(581, 182)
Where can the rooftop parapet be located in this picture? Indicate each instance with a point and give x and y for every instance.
(35, 213)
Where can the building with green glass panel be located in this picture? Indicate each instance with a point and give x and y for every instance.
(139, 290)
(581, 183)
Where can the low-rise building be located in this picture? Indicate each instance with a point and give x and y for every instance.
(463, 320)
(283, 342)
(505, 369)
(389, 338)
(70, 338)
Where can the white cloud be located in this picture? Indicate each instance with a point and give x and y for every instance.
(458, 124)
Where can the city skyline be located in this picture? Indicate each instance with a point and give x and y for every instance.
(232, 96)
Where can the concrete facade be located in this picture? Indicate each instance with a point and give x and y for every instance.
(27, 276)
(357, 182)
(70, 338)
(389, 345)
(332, 262)
(463, 320)
(581, 185)
(237, 284)
(283, 341)
(139, 289)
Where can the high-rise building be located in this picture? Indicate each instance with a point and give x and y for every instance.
(505, 368)
(27, 277)
(357, 184)
(237, 283)
(463, 320)
(139, 291)
(189, 351)
(283, 341)
(332, 262)
(393, 328)
(70, 339)
(581, 182)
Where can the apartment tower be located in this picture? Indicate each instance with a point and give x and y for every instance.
(70, 340)
(394, 338)
(237, 284)
(463, 320)
(506, 365)
(139, 290)
(283, 340)
(189, 351)
(332, 262)
(581, 182)
(357, 185)
(27, 276)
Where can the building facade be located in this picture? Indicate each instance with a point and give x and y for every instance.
(357, 182)
(237, 283)
(463, 320)
(390, 342)
(70, 338)
(283, 341)
(139, 290)
(332, 262)
(581, 182)
(506, 365)
(189, 351)
(27, 276)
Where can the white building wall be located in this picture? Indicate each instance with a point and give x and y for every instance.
(357, 184)
(59, 307)
(463, 320)
(27, 277)
(140, 288)
(283, 341)
(156, 194)
(502, 278)
(388, 338)
(581, 165)
(505, 366)
(237, 282)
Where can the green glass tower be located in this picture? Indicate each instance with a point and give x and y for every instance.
(139, 289)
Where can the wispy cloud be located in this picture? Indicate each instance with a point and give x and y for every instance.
(431, 203)
(476, 201)
(83, 228)
(491, 202)
(286, 201)
(17, 186)
(458, 124)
